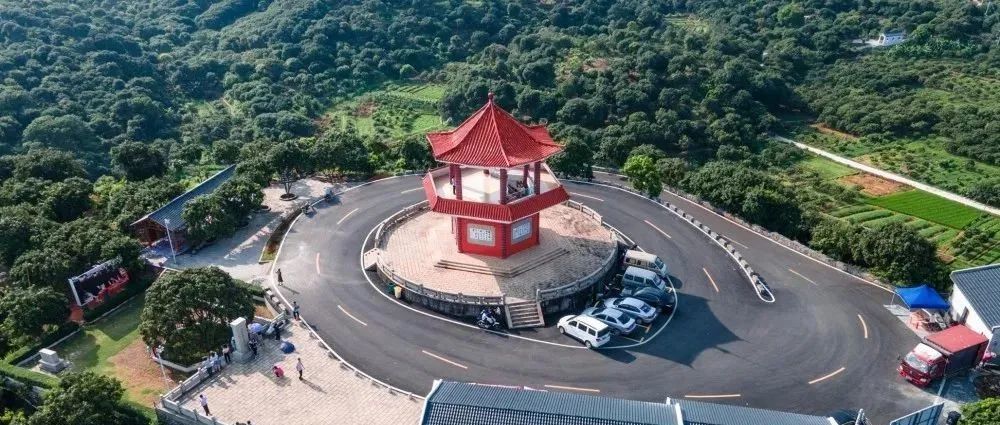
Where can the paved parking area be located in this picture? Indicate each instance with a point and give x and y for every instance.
(328, 394)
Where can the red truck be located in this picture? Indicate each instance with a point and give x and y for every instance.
(943, 353)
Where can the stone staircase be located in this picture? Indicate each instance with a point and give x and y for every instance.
(524, 314)
(529, 264)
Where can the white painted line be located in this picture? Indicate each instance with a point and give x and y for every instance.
(560, 387)
(710, 279)
(586, 196)
(411, 190)
(630, 339)
(732, 241)
(351, 315)
(827, 376)
(754, 232)
(456, 364)
(944, 381)
(317, 265)
(806, 278)
(863, 325)
(347, 215)
(658, 229)
(713, 396)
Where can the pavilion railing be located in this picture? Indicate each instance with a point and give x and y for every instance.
(550, 293)
(385, 268)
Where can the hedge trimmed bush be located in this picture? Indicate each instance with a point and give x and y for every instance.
(16, 356)
(28, 377)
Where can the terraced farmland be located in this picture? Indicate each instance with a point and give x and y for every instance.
(928, 207)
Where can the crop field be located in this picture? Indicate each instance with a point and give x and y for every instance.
(929, 207)
(827, 170)
(688, 22)
(394, 111)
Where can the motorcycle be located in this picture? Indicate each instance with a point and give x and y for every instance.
(488, 321)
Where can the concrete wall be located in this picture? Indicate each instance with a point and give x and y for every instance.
(960, 304)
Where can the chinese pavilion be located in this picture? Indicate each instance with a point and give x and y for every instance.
(495, 182)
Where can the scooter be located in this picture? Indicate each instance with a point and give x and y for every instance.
(488, 322)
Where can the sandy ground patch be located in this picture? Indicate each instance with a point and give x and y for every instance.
(140, 375)
(872, 185)
(822, 128)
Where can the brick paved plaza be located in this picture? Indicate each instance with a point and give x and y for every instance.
(329, 394)
(416, 245)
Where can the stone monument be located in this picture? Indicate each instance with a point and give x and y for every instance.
(50, 361)
(241, 340)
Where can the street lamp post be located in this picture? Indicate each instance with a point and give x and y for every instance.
(163, 371)
(170, 240)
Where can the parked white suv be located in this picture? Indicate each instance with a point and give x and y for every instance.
(592, 332)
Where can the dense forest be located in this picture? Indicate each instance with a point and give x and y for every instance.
(109, 108)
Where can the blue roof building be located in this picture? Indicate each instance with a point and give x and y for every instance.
(155, 225)
(456, 403)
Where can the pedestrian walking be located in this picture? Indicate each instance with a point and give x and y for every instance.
(213, 360)
(227, 353)
(253, 348)
(299, 367)
(281, 281)
(277, 331)
(295, 310)
(204, 404)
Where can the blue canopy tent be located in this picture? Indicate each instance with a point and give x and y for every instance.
(922, 296)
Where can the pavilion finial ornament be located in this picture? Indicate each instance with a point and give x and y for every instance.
(489, 96)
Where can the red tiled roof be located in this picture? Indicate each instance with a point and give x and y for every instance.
(494, 212)
(493, 138)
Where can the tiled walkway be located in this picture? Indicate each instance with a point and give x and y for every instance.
(329, 394)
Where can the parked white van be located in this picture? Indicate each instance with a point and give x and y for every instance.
(592, 332)
(647, 261)
(637, 278)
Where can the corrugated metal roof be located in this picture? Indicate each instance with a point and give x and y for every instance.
(173, 209)
(956, 338)
(699, 413)
(454, 403)
(493, 138)
(981, 286)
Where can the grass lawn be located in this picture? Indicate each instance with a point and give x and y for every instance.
(395, 110)
(112, 347)
(827, 170)
(928, 207)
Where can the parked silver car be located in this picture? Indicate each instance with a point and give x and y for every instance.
(620, 322)
(639, 310)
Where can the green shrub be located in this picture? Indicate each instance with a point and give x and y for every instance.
(19, 355)
(28, 377)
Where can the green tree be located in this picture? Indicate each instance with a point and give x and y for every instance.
(207, 219)
(986, 191)
(835, 238)
(189, 312)
(982, 412)
(47, 164)
(240, 196)
(897, 253)
(46, 267)
(643, 174)
(135, 199)
(68, 132)
(21, 229)
(343, 152)
(672, 171)
(138, 161)
(291, 160)
(87, 399)
(24, 312)
(791, 15)
(69, 199)
(576, 159)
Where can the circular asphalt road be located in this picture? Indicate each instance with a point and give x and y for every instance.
(826, 344)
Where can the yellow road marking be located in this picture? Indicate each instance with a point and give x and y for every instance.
(713, 396)
(710, 279)
(351, 315)
(560, 387)
(658, 229)
(587, 196)
(827, 376)
(863, 325)
(346, 215)
(456, 364)
(411, 190)
(806, 278)
(631, 339)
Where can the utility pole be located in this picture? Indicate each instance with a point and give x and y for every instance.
(170, 240)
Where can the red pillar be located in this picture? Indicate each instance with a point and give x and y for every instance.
(538, 178)
(456, 176)
(503, 186)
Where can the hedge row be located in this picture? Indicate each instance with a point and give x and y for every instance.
(28, 377)
(19, 355)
